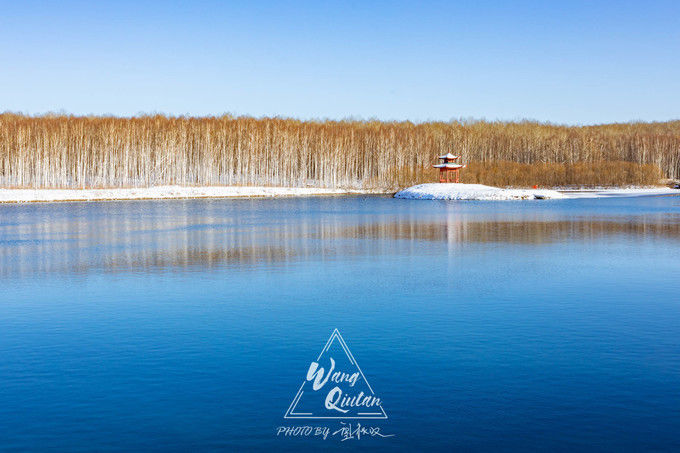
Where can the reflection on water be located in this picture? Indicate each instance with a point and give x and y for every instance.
(82, 237)
(531, 230)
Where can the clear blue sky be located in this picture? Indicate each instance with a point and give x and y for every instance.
(580, 62)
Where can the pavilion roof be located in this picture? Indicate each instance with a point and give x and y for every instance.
(449, 165)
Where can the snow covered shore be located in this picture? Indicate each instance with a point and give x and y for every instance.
(622, 192)
(480, 192)
(160, 192)
(433, 191)
(443, 191)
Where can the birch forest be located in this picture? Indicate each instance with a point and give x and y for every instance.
(61, 151)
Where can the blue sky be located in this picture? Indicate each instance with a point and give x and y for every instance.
(579, 62)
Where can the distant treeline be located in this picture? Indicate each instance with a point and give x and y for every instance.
(76, 151)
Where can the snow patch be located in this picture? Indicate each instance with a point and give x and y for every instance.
(456, 191)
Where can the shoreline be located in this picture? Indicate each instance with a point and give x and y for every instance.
(615, 192)
(188, 192)
(444, 191)
(168, 193)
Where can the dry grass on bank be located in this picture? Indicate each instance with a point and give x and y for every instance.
(69, 151)
(601, 173)
(513, 174)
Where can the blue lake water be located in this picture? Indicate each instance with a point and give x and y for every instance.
(180, 325)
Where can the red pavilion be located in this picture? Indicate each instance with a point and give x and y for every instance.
(448, 166)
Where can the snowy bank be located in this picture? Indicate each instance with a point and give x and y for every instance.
(444, 191)
(433, 191)
(621, 192)
(161, 192)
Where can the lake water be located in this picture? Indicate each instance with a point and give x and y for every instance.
(178, 325)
